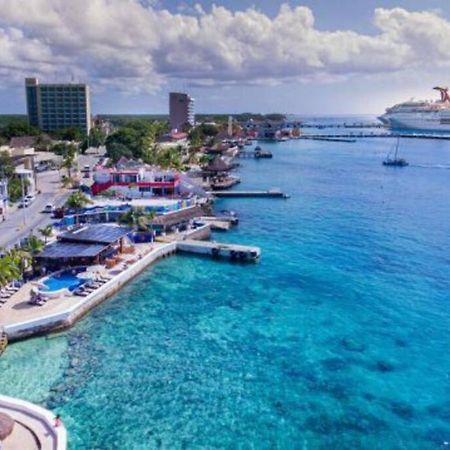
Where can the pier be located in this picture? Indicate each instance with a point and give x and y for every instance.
(243, 194)
(241, 253)
(354, 136)
(328, 139)
(261, 154)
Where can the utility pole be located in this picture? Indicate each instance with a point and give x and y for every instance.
(23, 201)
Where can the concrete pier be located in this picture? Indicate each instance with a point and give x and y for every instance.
(268, 194)
(241, 253)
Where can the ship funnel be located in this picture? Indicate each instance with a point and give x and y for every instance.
(445, 97)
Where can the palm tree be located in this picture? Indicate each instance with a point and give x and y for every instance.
(9, 270)
(77, 200)
(46, 232)
(138, 219)
(69, 154)
(34, 245)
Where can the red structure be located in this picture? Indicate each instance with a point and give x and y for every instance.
(445, 97)
(137, 183)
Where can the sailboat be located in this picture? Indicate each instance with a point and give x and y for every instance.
(395, 161)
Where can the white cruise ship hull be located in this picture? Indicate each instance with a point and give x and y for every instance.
(429, 121)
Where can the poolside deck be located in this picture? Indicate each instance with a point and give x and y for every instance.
(18, 311)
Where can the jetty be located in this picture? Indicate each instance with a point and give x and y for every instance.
(241, 253)
(352, 136)
(257, 154)
(328, 138)
(271, 193)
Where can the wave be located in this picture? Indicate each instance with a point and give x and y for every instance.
(432, 166)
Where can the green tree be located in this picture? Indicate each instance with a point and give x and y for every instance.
(137, 218)
(46, 232)
(77, 200)
(15, 188)
(9, 269)
(6, 166)
(116, 151)
(33, 245)
(17, 128)
(69, 153)
(69, 134)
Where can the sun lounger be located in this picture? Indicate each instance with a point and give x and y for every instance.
(81, 293)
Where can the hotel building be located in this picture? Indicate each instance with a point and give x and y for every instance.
(52, 107)
(181, 108)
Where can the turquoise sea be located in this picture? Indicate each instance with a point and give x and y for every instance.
(338, 339)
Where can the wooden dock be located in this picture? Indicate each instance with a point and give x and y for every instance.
(248, 194)
(234, 252)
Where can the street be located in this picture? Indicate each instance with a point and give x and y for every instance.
(24, 221)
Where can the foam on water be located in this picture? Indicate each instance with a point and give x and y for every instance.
(338, 338)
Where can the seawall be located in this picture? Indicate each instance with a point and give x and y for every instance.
(65, 319)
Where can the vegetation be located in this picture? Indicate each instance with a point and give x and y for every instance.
(33, 245)
(15, 188)
(77, 200)
(69, 134)
(96, 138)
(6, 166)
(10, 267)
(136, 139)
(46, 232)
(15, 262)
(137, 218)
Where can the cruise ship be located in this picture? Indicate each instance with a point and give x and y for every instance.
(420, 115)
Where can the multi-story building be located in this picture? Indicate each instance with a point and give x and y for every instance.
(56, 106)
(181, 108)
(137, 183)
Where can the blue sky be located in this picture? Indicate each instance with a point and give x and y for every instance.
(310, 57)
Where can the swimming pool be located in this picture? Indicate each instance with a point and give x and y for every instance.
(64, 280)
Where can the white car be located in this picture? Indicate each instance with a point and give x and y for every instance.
(48, 208)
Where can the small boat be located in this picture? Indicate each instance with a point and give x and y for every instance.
(395, 161)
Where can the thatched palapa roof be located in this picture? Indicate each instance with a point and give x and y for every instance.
(6, 426)
(174, 218)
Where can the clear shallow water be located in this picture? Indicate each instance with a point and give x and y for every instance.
(338, 338)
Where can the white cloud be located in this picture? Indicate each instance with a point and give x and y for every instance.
(132, 42)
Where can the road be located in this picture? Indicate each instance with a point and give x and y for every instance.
(22, 222)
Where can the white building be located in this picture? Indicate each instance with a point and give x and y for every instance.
(29, 183)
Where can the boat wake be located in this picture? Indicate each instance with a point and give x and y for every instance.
(432, 166)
